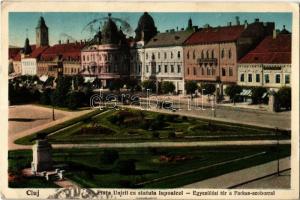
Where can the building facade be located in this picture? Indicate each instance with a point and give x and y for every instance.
(164, 60)
(269, 64)
(211, 54)
(107, 57)
(145, 30)
(61, 59)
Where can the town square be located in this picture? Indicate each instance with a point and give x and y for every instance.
(150, 100)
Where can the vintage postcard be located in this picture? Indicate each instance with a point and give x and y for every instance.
(149, 100)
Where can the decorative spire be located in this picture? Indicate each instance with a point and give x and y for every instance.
(190, 24)
(27, 48)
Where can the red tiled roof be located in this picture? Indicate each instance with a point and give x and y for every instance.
(66, 51)
(37, 52)
(271, 50)
(216, 34)
(12, 52)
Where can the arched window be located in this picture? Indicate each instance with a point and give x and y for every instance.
(188, 55)
(229, 53)
(178, 54)
(153, 56)
(202, 54)
(222, 53)
(212, 54)
(194, 55)
(207, 54)
(171, 54)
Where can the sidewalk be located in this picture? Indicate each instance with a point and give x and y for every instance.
(241, 177)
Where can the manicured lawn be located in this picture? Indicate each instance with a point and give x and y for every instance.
(140, 126)
(185, 165)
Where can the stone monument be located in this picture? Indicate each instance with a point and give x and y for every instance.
(272, 104)
(41, 154)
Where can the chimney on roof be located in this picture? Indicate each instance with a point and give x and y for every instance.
(68, 41)
(81, 42)
(59, 41)
(256, 20)
(228, 23)
(237, 20)
(245, 24)
(172, 30)
(274, 33)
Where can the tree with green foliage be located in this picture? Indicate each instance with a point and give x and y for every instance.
(191, 87)
(78, 81)
(116, 84)
(49, 81)
(97, 83)
(149, 84)
(46, 96)
(284, 97)
(208, 88)
(232, 91)
(61, 91)
(167, 87)
(74, 100)
(257, 94)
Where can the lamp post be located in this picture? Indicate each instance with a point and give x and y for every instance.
(53, 115)
(277, 145)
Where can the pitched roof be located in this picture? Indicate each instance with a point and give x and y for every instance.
(65, 51)
(271, 50)
(36, 52)
(168, 39)
(12, 52)
(216, 34)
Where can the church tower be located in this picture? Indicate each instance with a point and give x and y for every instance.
(42, 34)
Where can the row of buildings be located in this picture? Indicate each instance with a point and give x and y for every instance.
(248, 54)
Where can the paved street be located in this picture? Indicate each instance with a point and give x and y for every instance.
(161, 144)
(281, 120)
(250, 177)
(27, 119)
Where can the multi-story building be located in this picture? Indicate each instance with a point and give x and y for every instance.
(269, 64)
(29, 58)
(108, 56)
(164, 58)
(61, 59)
(14, 61)
(145, 30)
(211, 54)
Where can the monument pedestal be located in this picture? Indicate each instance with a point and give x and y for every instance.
(42, 158)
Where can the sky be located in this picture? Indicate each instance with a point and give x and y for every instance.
(64, 24)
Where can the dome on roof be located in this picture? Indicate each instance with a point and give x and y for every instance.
(146, 28)
(110, 33)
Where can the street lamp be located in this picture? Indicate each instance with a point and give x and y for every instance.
(277, 145)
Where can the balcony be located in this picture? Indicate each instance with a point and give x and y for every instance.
(207, 61)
